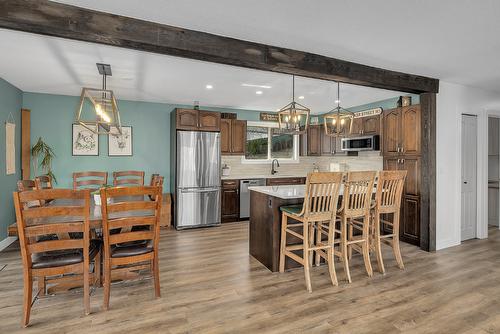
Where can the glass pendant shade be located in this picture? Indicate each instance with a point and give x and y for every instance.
(338, 122)
(98, 110)
(294, 117)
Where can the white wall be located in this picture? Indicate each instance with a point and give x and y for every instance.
(452, 101)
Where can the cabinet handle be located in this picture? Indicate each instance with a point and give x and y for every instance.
(399, 161)
(402, 161)
(402, 150)
(398, 149)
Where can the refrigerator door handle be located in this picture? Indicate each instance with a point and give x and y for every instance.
(210, 190)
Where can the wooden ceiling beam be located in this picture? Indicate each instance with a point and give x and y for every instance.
(65, 21)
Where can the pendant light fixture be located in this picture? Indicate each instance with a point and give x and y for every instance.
(293, 115)
(104, 114)
(338, 122)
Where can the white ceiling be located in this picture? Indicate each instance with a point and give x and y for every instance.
(452, 40)
(36, 63)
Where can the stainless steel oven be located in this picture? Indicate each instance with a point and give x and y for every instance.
(366, 143)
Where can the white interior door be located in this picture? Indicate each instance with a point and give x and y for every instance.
(469, 177)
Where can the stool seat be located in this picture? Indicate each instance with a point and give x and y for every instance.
(295, 209)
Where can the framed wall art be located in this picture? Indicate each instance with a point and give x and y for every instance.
(120, 144)
(84, 141)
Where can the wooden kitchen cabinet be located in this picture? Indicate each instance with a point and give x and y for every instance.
(327, 143)
(197, 120)
(233, 134)
(365, 126)
(402, 131)
(230, 201)
(283, 181)
(314, 140)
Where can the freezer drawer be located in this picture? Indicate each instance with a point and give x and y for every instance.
(197, 207)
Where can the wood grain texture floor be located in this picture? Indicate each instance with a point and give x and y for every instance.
(211, 285)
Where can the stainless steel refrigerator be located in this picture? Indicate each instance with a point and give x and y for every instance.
(197, 179)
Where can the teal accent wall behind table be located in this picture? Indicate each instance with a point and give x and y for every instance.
(11, 100)
(52, 116)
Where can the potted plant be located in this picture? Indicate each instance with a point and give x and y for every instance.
(43, 155)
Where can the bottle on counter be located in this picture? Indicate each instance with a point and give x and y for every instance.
(315, 168)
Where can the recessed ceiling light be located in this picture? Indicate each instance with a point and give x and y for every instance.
(209, 86)
(337, 101)
(256, 86)
(259, 92)
(301, 97)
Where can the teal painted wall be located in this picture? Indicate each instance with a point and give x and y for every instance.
(52, 116)
(11, 100)
(385, 104)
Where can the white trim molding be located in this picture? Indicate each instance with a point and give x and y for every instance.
(7, 242)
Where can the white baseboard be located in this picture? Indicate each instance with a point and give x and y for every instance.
(7, 242)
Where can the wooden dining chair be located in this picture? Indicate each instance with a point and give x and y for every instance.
(131, 177)
(317, 212)
(93, 180)
(388, 203)
(44, 254)
(43, 182)
(124, 246)
(354, 214)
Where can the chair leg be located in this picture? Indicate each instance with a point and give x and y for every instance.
(284, 222)
(86, 286)
(311, 242)
(330, 255)
(351, 233)
(317, 258)
(343, 246)
(378, 243)
(305, 256)
(107, 282)
(28, 295)
(41, 285)
(365, 245)
(156, 272)
(397, 252)
(97, 269)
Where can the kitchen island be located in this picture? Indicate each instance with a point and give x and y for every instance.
(265, 222)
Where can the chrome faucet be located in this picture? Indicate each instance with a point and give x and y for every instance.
(274, 171)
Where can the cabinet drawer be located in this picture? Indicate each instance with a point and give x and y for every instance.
(282, 181)
(230, 184)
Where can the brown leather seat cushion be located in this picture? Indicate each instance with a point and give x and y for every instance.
(132, 249)
(63, 257)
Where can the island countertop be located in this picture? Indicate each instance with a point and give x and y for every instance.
(284, 192)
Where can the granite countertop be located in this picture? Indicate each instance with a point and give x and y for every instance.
(285, 192)
(262, 176)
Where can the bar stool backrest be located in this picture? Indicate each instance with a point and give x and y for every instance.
(322, 194)
(357, 196)
(389, 190)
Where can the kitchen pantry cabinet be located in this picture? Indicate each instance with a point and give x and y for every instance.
(230, 202)
(233, 133)
(366, 126)
(402, 131)
(197, 120)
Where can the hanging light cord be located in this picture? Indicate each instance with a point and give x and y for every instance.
(338, 95)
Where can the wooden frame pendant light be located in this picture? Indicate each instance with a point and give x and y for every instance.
(338, 122)
(291, 115)
(103, 101)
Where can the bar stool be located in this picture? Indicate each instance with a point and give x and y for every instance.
(318, 209)
(354, 214)
(388, 201)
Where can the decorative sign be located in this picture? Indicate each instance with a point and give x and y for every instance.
(270, 117)
(368, 112)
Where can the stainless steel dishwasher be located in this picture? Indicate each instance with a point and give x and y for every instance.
(245, 195)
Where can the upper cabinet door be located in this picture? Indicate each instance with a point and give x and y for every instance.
(392, 130)
(357, 127)
(327, 143)
(187, 119)
(209, 121)
(225, 136)
(314, 140)
(410, 125)
(371, 125)
(238, 137)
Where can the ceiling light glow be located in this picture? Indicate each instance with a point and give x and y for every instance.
(256, 86)
(209, 86)
(259, 92)
(301, 97)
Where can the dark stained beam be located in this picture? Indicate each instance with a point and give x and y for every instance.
(428, 173)
(60, 20)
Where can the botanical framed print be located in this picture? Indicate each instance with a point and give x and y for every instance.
(120, 144)
(84, 141)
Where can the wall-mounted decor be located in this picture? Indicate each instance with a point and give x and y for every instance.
(85, 141)
(368, 112)
(268, 117)
(120, 144)
(10, 146)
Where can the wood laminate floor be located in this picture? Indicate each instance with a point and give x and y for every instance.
(210, 284)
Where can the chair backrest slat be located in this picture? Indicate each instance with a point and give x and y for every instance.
(322, 194)
(131, 177)
(91, 179)
(390, 190)
(358, 190)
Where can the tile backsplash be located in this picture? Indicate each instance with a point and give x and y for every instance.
(364, 161)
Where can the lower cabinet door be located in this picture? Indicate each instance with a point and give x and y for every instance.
(230, 205)
(409, 226)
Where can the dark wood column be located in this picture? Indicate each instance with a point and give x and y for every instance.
(428, 192)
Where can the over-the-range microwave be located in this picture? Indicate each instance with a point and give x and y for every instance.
(366, 143)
